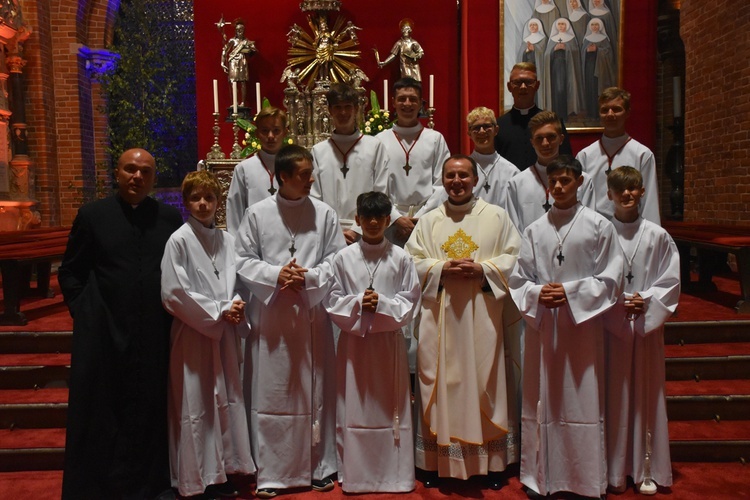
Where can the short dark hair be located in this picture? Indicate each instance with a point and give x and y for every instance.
(457, 156)
(342, 93)
(623, 178)
(373, 204)
(565, 162)
(545, 117)
(407, 83)
(287, 159)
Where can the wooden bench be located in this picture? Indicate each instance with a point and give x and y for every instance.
(708, 239)
(19, 250)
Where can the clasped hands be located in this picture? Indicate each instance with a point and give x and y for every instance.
(462, 268)
(370, 300)
(292, 276)
(553, 295)
(235, 313)
(634, 306)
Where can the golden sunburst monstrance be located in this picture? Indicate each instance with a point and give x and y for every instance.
(326, 53)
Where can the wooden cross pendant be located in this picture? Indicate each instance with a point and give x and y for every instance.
(546, 206)
(407, 167)
(344, 170)
(292, 249)
(486, 187)
(560, 257)
(272, 190)
(630, 276)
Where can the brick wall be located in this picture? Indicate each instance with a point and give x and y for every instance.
(717, 111)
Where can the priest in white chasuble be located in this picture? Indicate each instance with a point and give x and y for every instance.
(464, 251)
(285, 245)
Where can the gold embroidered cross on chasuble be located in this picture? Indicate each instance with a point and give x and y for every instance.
(459, 246)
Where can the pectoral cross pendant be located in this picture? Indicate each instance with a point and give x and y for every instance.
(407, 167)
(344, 170)
(546, 206)
(609, 170)
(216, 271)
(486, 186)
(272, 190)
(560, 257)
(292, 249)
(630, 276)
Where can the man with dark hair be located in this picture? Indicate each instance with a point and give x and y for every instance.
(513, 139)
(285, 245)
(347, 163)
(116, 441)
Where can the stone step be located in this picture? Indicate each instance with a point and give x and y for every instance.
(33, 409)
(701, 332)
(30, 371)
(709, 440)
(709, 407)
(32, 449)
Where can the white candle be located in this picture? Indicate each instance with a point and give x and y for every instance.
(234, 97)
(676, 97)
(257, 97)
(216, 96)
(385, 95)
(432, 91)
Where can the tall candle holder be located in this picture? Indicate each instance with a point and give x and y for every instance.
(216, 153)
(430, 117)
(236, 153)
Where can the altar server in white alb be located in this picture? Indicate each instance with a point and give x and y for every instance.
(464, 252)
(348, 163)
(568, 275)
(375, 295)
(208, 435)
(637, 434)
(616, 148)
(528, 197)
(285, 245)
(253, 179)
(415, 159)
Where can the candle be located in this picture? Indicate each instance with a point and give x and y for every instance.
(257, 97)
(234, 97)
(676, 97)
(385, 95)
(216, 96)
(432, 91)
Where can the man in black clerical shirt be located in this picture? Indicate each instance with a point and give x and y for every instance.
(513, 142)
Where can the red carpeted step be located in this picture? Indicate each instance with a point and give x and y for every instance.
(31, 396)
(709, 430)
(19, 439)
(61, 359)
(707, 350)
(708, 387)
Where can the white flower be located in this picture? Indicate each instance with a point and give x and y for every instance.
(368, 129)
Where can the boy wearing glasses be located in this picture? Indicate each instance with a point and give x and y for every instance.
(528, 196)
(512, 141)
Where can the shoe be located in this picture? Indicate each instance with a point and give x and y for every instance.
(618, 490)
(647, 488)
(496, 480)
(430, 479)
(322, 484)
(265, 493)
(223, 490)
(533, 495)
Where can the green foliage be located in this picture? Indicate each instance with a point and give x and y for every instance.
(377, 119)
(150, 96)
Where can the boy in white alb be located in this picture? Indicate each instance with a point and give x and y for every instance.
(616, 148)
(375, 295)
(253, 178)
(568, 274)
(637, 434)
(348, 163)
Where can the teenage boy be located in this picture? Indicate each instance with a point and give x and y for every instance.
(637, 434)
(285, 245)
(528, 196)
(568, 274)
(348, 163)
(253, 178)
(375, 295)
(616, 148)
(415, 158)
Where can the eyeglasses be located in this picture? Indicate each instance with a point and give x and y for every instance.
(519, 83)
(482, 126)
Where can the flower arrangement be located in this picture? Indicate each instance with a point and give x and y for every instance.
(377, 119)
(251, 144)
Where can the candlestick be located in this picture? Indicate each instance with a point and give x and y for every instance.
(236, 148)
(676, 97)
(385, 94)
(257, 97)
(216, 153)
(432, 91)
(216, 96)
(234, 97)
(430, 117)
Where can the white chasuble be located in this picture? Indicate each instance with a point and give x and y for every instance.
(467, 377)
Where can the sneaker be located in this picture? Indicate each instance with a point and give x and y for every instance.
(265, 493)
(647, 488)
(322, 484)
(223, 490)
